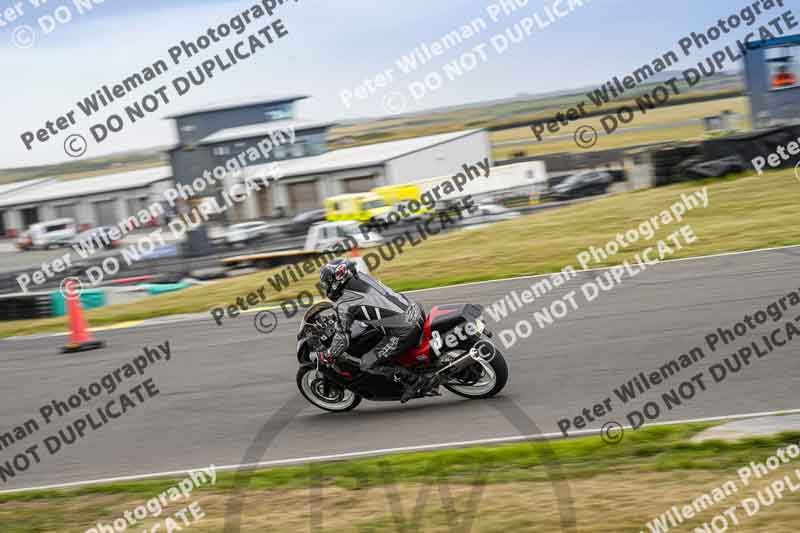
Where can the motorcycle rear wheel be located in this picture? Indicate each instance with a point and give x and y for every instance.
(489, 383)
(335, 400)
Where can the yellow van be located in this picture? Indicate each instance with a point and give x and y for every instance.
(399, 194)
(359, 206)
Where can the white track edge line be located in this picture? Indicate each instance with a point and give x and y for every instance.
(387, 451)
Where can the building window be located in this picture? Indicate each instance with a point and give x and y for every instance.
(136, 204)
(30, 215)
(221, 150)
(297, 150)
(280, 152)
(277, 114)
(782, 67)
(315, 149)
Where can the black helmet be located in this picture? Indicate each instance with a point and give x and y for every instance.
(334, 276)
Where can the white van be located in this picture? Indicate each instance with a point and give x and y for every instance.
(47, 234)
(326, 235)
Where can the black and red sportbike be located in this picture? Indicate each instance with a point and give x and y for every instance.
(454, 345)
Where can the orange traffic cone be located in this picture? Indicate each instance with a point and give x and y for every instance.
(361, 265)
(80, 339)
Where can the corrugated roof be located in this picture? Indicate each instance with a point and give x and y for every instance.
(238, 104)
(18, 185)
(55, 190)
(360, 156)
(357, 157)
(260, 130)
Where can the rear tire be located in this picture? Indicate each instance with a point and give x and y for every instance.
(500, 368)
(307, 385)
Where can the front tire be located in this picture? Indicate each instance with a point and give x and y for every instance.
(334, 399)
(487, 385)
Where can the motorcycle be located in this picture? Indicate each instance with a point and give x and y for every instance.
(454, 345)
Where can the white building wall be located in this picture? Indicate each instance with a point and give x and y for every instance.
(12, 219)
(250, 206)
(440, 160)
(122, 206)
(526, 177)
(280, 196)
(85, 212)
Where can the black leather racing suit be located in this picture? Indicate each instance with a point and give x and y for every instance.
(366, 299)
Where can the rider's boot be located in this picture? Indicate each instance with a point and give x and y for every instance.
(416, 384)
(412, 385)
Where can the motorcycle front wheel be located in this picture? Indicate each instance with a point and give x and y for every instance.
(325, 394)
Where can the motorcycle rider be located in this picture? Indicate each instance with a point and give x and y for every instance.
(359, 296)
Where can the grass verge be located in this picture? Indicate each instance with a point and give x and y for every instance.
(613, 488)
(654, 117)
(745, 213)
(619, 139)
(669, 125)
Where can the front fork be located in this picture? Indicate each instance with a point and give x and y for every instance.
(336, 373)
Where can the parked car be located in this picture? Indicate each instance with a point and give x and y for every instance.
(321, 237)
(582, 184)
(697, 168)
(95, 238)
(246, 233)
(23, 241)
(45, 235)
(325, 235)
(305, 220)
(487, 213)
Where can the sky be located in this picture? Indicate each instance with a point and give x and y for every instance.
(331, 47)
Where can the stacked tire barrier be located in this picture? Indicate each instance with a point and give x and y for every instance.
(753, 144)
(723, 155)
(666, 162)
(26, 306)
(166, 270)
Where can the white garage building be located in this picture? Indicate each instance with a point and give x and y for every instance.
(307, 181)
(90, 201)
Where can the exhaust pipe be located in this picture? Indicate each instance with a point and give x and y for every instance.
(461, 363)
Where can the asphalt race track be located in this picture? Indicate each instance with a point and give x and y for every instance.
(224, 385)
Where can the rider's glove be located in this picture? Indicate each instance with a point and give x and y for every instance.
(326, 357)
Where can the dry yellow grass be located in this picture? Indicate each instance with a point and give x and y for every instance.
(441, 122)
(618, 502)
(531, 486)
(618, 139)
(662, 116)
(670, 126)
